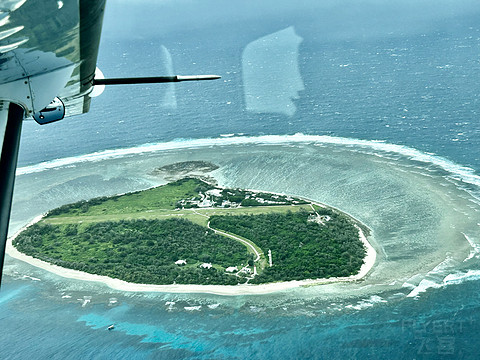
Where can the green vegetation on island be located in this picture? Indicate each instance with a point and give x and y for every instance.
(192, 232)
(185, 167)
(301, 248)
(139, 251)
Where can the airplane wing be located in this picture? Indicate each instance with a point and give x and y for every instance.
(48, 49)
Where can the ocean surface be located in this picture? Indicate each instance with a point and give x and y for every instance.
(369, 107)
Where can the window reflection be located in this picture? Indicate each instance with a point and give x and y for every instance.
(271, 75)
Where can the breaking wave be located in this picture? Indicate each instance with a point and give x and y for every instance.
(446, 273)
(457, 171)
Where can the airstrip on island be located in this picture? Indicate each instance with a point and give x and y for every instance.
(191, 231)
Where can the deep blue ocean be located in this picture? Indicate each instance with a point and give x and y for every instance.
(404, 74)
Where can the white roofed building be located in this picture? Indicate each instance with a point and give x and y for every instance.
(214, 192)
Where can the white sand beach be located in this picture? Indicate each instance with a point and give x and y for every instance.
(241, 289)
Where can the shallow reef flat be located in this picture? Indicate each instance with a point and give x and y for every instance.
(417, 208)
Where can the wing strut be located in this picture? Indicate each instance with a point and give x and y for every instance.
(8, 165)
(154, 79)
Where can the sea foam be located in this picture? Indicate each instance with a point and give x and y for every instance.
(374, 147)
(457, 171)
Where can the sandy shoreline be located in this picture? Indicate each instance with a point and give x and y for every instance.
(241, 289)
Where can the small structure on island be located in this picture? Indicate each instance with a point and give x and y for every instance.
(206, 266)
(214, 192)
(319, 219)
(205, 203)
(181, 262)
(231, 269)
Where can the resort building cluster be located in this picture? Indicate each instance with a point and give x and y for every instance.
(232, 198)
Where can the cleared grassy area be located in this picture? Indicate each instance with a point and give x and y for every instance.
(156, 214)
(162, 197)
(199, 216)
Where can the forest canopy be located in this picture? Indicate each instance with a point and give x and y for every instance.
(193, 232)
(300, 249)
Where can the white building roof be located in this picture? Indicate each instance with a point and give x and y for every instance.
(215, 192)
